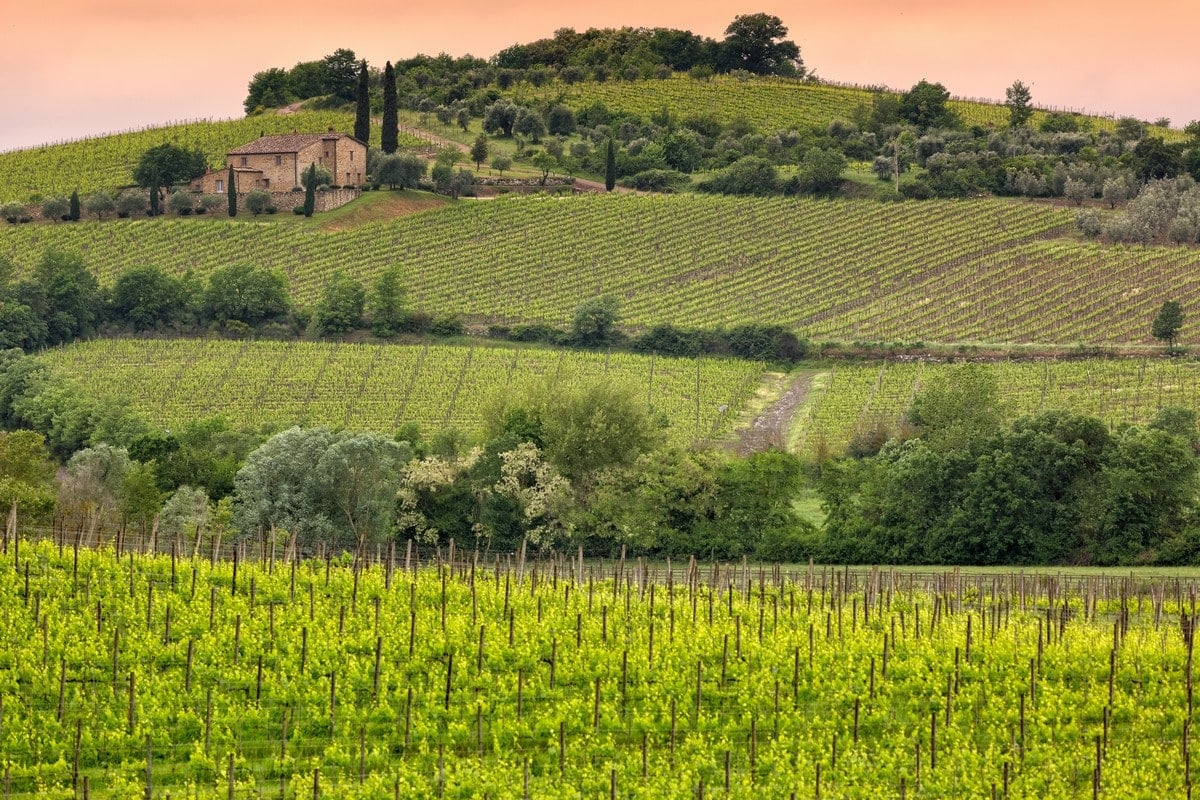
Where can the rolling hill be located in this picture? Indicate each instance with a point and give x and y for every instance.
(765, 103)
(381, 387)
(945, 271)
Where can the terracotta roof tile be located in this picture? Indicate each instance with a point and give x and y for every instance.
(287, 143)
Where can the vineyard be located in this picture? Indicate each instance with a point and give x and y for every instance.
(977, 270)
(107, 162)
(766, 103)
(130, 674)
(380, 387)
(857, 398)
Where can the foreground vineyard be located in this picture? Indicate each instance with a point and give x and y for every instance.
(107, 162)
(765, 103)
(857, 398)
(381, 387)
(979, 270)
(130, 675)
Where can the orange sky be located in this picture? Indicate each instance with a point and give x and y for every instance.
(72, 68)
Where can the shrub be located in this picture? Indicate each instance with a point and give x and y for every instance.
(258, 201)
(655, 180)
(56, 208)
(211, 202)
(448, 325)
(12, 212)
(1089, 222)
(180, 202)
(130, 202)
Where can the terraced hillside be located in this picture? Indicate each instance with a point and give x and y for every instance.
(849, 399)
(977, 270)
(380, 387)
(107, 162)
(766, 103)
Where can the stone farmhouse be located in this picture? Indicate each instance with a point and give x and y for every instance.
(276, 163)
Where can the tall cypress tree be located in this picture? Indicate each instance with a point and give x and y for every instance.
(362, 115)
(610, 167)
(310, 190)
(391, 122)
(75, 206)
(232, 189)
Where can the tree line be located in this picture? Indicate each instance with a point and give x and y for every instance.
(953, 484)
(560, 464)
(755, 43)
(61, 300)
(582, 464)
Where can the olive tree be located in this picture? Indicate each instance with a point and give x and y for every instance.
(100, 203)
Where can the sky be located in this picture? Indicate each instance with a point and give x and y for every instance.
(81, 67)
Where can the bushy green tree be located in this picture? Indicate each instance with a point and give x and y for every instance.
(167, 165)
(141, 499)
(1168, 323)
(270, 88)
(246, 294)
(479, 150)
(755, 43)
(958, 407)
(1019, 100)
(69, 296)
(339, 73)
(400, 171)
(529, 123)
(749, 175)
(386, 306)
(340, 309)
(26, 475)
(595, 321)
(145, 297)
(500, 117)
(821, 170)
(925, 106)
(560, 120)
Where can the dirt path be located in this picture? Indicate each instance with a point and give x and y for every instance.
(770, 428)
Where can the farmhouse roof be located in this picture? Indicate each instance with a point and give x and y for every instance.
(286, 143)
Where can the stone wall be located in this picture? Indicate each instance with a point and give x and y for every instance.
(285, 201)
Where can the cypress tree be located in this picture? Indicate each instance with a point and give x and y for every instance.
(75, 206)
(310, 190)
(391, 122)
(232, 190)
(610, 167)
(362, 115)
(154, 200)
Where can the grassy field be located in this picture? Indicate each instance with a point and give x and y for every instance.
(381, 387)
(848, 399)
(131, 675)
(766, 103)
(948, 271)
